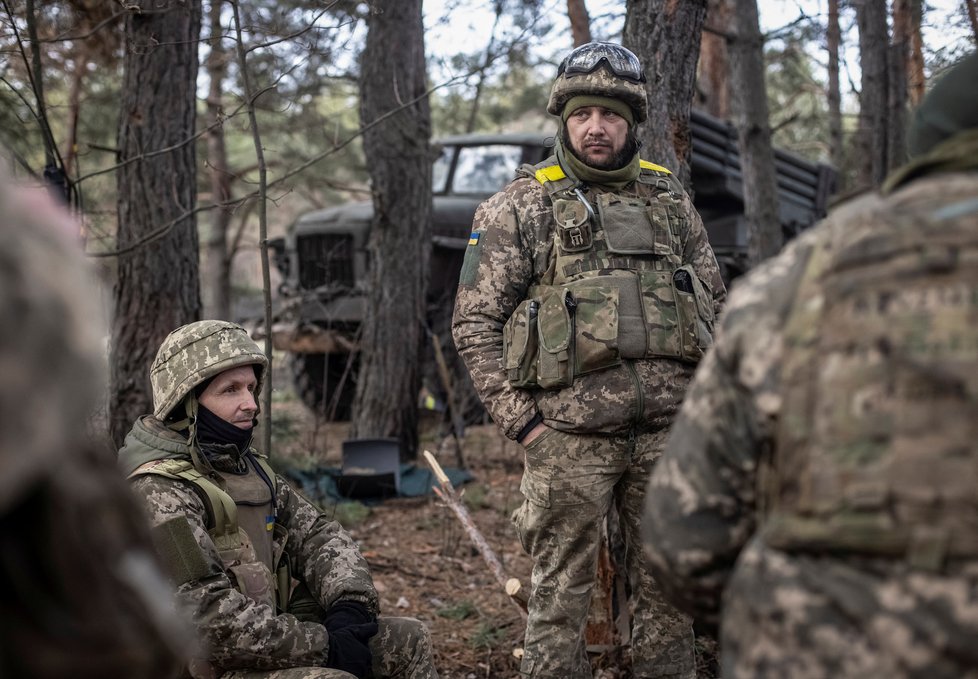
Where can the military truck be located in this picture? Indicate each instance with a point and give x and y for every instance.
(323, 258)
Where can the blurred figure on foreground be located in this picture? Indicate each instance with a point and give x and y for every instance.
(822, 474)
(82, 596)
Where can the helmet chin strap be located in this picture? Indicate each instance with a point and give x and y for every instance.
(189, 423)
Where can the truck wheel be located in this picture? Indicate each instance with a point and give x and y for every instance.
(316, 378)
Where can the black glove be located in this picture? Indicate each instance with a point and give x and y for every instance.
(348, 613)
(348, 649)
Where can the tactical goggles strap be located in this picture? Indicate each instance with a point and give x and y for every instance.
(588, 58)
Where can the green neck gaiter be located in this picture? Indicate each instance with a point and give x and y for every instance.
(575, 168)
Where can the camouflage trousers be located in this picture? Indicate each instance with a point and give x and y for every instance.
(569, 484)
(401, 650)
(795, 616)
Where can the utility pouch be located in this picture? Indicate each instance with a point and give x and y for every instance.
(595, 323)
(627, 226)
(555, 328)
(520, 344)
(661, 314)
(255, 581)
(573, 224)
(694, 309)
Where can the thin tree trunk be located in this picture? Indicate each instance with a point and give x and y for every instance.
(833, 94)
(874, 94)
(217, 273)
(474, 111)
(916, 80)
(666, 35)
(399, 158)
(714, 66)
(898, 62)
(250, 95)
(580, 22)
(157, 288)
(754, 133)
(971, 7)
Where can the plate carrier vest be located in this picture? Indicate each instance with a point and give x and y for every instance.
(616, 287)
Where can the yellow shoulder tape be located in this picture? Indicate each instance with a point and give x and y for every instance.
(550, 174)
(646, 165)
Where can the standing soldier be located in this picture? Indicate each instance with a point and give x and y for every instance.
(275, 589)
(822, 475)
(586, 298)
(82, 595)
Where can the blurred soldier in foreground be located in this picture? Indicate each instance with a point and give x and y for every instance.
(823, 473)
(82, 596)
(586, 298)
(275, 589)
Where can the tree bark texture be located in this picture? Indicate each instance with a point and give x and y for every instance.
(713, 80)
(833, 94)
(157, 286)
(754, 134)
(916, 80)
(971, 6)
(217, 272)
(874, 94)
(898, 63)
(665, 35)
(580, 22)
(392, 78)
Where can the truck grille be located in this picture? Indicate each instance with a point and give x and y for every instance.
(325, 259)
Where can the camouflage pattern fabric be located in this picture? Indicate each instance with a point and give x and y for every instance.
(511, 252)
(602, 83)
(569, 484)
(401, 650)
(83, 596)
(196, 352)
(237, 632)
(800, 613)
(514, 231)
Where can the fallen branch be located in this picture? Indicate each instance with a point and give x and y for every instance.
(446, 492)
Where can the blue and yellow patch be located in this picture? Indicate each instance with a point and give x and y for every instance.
(474, 238)
(270, 522)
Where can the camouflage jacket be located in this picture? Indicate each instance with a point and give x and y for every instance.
(515, 232)
(702, 506)
(239, 632)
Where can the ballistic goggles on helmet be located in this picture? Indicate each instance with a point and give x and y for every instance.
(587, 58)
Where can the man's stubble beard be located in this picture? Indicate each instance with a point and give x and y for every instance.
(619, 160)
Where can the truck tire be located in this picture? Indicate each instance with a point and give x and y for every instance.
(316, 377)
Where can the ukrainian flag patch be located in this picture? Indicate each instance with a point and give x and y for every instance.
(474, 238)
(270, 522)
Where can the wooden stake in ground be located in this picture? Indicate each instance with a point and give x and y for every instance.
(446, 492)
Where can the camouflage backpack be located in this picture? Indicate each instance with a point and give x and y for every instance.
(876, 450)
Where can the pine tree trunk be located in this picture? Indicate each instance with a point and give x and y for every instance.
(833, 93)
(874, 95)
(399, 158)
(665, 35)
(713, 82)
(217, 272)
(157, 286)
(916, 80)
(898, 62)
(754, 134)
(580, 22)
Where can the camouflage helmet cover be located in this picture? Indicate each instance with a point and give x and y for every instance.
(196, 352)
(606, 70)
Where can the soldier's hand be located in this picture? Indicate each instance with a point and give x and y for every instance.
(348, 650)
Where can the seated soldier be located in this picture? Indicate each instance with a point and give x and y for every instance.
(275, 589)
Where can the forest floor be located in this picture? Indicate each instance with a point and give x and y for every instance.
(423, 563)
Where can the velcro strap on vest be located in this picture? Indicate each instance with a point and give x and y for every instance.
(179, 551)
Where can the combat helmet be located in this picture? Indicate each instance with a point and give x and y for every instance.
(601, 69)
(196, 352)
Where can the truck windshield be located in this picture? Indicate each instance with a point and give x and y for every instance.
(479, 170)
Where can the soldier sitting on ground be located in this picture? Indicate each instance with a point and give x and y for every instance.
(822, 474)
(276, 589)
